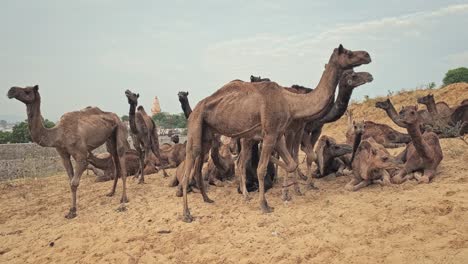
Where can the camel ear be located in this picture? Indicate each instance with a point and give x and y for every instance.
(416, 107)
(340, 49)
(138, 95)
(36, 87)
(187, 92)
(327, 142)
(374, 152)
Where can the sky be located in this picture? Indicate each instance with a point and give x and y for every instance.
(88, 52)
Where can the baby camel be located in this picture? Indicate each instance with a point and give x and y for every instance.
(424, 152)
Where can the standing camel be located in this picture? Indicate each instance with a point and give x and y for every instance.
(145, 135)
(263, 111)
(76, 134)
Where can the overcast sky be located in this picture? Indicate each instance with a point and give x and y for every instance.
(88, 52)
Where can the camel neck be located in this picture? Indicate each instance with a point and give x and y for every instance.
(185, 107)
(392, 113)
(39, 134)
(416, 137)
(431, 107)
(312, 105)
(99, 163)
(131, 118)
(340, 105)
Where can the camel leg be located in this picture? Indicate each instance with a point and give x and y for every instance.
(401, 177)
(355, 184)
(66, 163)
(394, 145)
(244, 156)
(265, 154)
(290, 164)
(81, 165)
(141, 177)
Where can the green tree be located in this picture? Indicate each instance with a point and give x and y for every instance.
(125, 118)
(5, 137)
(456, 75)
(167, 120)
(431, 85)
(20, 133)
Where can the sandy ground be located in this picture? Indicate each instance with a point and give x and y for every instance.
(410, 223)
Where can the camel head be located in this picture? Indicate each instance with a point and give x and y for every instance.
(426, 99)
(347, 59)
(335, 150)
(183, 94)
(384, 104)
(359, 127)
(409, 114)
(132, 97)
(376, 156)
(254, 78)
(175, 138)
(351, 79)
(231, 144)
(27, 95)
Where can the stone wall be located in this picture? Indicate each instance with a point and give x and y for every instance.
(32, 160)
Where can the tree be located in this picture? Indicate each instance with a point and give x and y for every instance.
(431, 85)
(3, 123)
(167, 120)
(5, 137)
(20, 133)
(456, 75)
(125, 118)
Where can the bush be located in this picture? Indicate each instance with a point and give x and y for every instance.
(21, 134)
(456, 75)
(167, 120)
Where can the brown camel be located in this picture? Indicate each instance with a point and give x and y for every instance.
(106, 167)
(424, 152)
(370, 165)
(382, 134)
(312, 131)
(426, 117)
(441, 109)
(258, 79)
(459, 117)
(263, 111)
(75, 135)
(144, 134)
(328, 153)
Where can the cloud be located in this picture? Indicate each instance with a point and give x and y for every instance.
(240, 55)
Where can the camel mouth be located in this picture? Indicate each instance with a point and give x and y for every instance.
(370, 78)
(11, 93)
(128, 93)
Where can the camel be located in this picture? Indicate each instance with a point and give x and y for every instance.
(382, 134)
(75, 135)
(183, 99)
(312, 131)
(263, 111)
(144, 134)
(221, 162)
(258, 79)
(251, 181)
(441, 109)
(370, 165)
(328, 153)
(460, 117)
(424, 152)
(104, 168)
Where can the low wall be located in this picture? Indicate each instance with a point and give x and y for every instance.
(32, 160)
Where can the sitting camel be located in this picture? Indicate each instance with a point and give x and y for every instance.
(370, 164)
(76, 134)
(328, 154)
(144, 135)
(441, 109)
(424, 152)
(104, 168)
(263, 111)
(382, 134)
(426, 117)
(258, 79)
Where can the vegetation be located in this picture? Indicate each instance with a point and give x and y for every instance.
(456, 75)
(125, 118)
(167, 120)
(20, 133)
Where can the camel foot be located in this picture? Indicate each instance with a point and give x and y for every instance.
(121, 208)
(71, 214)
(247, 197)
(349, 187)
(110, 194)
(207, 200)
(397, 180)
(302, 176)
(141, 181)
(423, 179)
(187, 218)
(297, 190)
(266, 209)
(124, 199)
(178, 193)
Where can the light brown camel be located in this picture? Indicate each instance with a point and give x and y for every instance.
(426, 117)
(370, 165)
(263, 111)
(328, 153)
(382, 134)
(75, 135)
(144, 134)
(424, 152)
(312, 131)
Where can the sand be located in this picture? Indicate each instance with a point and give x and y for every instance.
(408, 223)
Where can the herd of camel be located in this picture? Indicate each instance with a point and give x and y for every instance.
(272, 123)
